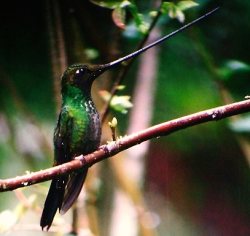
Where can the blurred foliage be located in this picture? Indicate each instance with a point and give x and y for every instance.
(175, 10)
(118, 103)
(202, 172)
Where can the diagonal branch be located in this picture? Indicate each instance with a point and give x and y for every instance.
(126, 142)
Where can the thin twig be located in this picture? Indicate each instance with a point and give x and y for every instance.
(126, 142)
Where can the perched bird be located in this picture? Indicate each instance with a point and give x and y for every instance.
(78, 129)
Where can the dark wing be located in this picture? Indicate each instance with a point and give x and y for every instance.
(53, 202)
(57, 188)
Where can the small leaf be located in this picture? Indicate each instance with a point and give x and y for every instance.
(184, 5)
(112, 126)
(119, 13)
(120, 87)
(118, 16)
(153, 13)
(125, 3)
(166, 7)
(232, 67)
(121, 103)
(235, 65)
(118, 103)
(91, 53)
(176, 10)
(140, 23)
(111, 4)
(113, 123)
(180, 16)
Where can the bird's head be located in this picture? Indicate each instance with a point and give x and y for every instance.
(80, 76)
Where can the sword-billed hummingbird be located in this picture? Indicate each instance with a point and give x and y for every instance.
(78, 129)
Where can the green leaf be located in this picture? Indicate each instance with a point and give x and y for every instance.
(176, 10)
(119, 13)
(232, 67)
(120, 87)
(153, 13)
(236, 65)
(91, 53)
(118, 103)
(184, 5)
(138, 18)
(111, 4)
(166, 7)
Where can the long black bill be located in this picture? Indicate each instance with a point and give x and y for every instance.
(107, 66)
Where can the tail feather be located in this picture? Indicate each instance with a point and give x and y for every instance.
(62, 194)
(73, 189)
(53, 201)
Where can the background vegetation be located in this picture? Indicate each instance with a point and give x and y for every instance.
(194, 182)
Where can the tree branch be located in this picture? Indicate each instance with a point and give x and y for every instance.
(114, 147)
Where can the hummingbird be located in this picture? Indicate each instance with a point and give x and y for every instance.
(78, 129)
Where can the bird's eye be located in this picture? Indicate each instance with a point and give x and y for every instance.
(79, 73)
